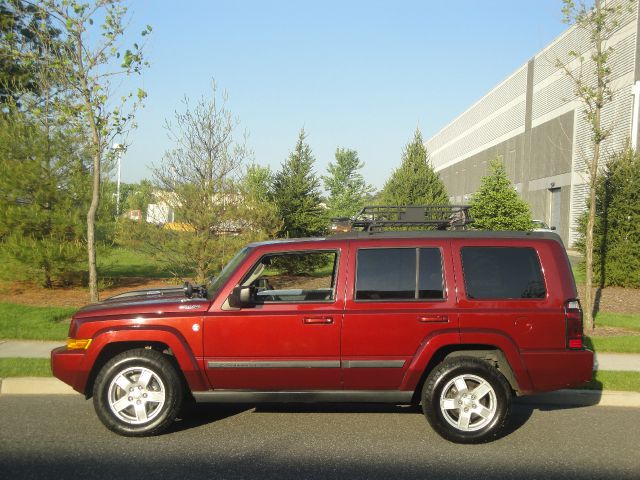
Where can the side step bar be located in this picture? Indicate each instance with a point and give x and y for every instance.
(304, 396)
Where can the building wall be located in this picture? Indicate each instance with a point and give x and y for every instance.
(534, 122)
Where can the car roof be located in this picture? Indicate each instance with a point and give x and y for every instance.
(431, 234)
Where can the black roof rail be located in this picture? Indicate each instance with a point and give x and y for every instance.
(430, 217)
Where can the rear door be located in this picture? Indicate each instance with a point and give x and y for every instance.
(398, 295)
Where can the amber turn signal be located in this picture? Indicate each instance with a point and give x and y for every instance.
(78, 343)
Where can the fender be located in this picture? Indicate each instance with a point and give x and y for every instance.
(429, 346)
(162, 334)
(503, 342)
(438, 340)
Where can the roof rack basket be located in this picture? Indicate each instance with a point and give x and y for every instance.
(381, 217)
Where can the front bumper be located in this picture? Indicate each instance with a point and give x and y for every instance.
(66, 365)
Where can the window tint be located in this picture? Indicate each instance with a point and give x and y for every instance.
(430, 279)
(502, 272)
(390, 274)
(293, 277)
(386, 274)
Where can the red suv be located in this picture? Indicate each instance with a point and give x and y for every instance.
(457, 321)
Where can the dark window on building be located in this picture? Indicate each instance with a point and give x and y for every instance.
(502, 272)
(390, 274)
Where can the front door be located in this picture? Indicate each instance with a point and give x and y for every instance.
(290, 339)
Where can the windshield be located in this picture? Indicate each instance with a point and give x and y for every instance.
(216, 282)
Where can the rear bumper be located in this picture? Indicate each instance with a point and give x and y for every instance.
(553, 370)
(66, 365)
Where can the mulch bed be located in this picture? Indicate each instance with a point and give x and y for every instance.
(616, 299)
(26, 293)
(601, 331)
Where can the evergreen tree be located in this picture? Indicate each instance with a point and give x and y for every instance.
(297, 196)
(617, 227)
(496, 205)
(346, 186)
(43, 189)
(22, 53)
(414, 182)
(257, 212)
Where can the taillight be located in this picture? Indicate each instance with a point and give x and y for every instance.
(573, 317)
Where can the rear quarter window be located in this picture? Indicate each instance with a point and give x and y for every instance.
(502, 273)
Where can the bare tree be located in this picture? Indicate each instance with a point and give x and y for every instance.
(591, 78)
(198, 179)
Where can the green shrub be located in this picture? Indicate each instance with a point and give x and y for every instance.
(617, 229)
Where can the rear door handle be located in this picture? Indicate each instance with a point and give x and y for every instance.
(433, 318)
(318, 320)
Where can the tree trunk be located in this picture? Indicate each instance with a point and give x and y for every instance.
(591, 219)
(96, 144)
(593, 178)
(91, 229)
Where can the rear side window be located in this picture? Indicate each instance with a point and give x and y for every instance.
(399, 274)
(502, 273)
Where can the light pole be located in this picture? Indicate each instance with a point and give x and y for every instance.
(119, 149)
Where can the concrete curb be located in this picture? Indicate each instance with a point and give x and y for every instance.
(34, 386)
(568, 398)
(584, 398)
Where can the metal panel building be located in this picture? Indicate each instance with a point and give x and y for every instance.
(534, 123)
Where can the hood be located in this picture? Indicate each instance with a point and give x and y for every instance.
(153, 301)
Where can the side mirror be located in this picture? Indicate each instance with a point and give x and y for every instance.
(242, 297)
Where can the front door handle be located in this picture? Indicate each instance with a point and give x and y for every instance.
(318, 320)
(433, 318)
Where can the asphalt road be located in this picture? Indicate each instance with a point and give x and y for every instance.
(49, 437)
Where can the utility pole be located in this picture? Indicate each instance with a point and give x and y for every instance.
(119, 149)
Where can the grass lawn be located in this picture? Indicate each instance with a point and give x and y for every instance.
(112, 262)
(621, 320)
(578, 274)
(122, 262)
(34, 323)
(622, 344)
(612, 380)
(25, 367)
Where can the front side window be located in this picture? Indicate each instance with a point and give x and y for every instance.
(294, 277)
(399, 274)
(502, 273)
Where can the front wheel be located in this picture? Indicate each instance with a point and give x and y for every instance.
(467, 400)
(137, 393)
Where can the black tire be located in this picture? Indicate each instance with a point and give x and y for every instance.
(138, 393)
(476, 415)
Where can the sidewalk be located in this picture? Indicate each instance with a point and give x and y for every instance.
(627, 362)
(27, 348)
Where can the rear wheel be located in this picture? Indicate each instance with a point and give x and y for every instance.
(138, 393)
(466, 400)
